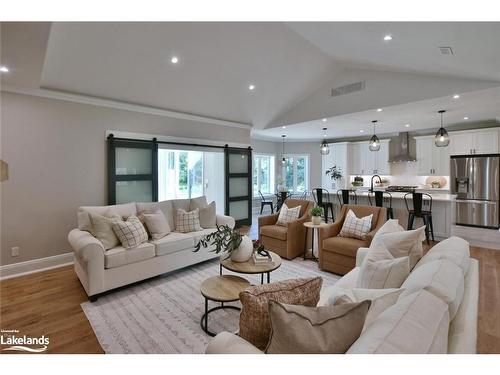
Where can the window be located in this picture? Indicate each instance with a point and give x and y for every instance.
(189, 174)
(263, 174)
(296, 173)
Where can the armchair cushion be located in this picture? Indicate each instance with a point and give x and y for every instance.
(344, 245)
(274, 231)
(288, 215)
(355, 227)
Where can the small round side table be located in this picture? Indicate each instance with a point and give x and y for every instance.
(223, 288)
(310, 225)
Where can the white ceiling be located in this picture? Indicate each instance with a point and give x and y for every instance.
(414, 47)
(292, 65)
(478, 106)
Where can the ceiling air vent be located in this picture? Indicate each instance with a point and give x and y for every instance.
(445, 50)
(348, 89)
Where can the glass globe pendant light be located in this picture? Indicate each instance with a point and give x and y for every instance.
(442, 138)
(283, 151)
(374, 141)
(324, 149)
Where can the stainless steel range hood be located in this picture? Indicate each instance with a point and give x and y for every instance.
(403, 150)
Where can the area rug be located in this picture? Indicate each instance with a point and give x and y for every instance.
(162, 315)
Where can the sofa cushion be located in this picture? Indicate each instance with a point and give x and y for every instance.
(380, 270)
(454, 249)
(165, 206)
(344, 245)
(313, 327)
(254, 318)
(417, 324)
(131, 232)
(390, 226)
(198, 202)
(403, 243)
(119, 256)
(440, 277)
(274, 231)
(196, 236)
(355, 227)
(102, 229)
(156, 224)
(172, 243)
(186, 222)
(84, 223)
(208, 216)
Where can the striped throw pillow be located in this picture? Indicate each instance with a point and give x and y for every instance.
(188, 221)
(354, 227)
(131, 233)
(287, 215)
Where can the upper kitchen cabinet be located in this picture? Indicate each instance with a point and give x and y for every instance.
(362, 161)
(481, 141)
(432, 160)
(337, 157)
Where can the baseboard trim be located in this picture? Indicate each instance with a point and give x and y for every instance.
(10, 271)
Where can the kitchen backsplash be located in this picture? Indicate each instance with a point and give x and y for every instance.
(409, 180)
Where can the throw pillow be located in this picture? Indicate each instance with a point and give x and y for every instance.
(208, 216)
(255, 326)
(354, 227)
(287, 215)
(316, 330)
(390, 226)
(156, 224)
(102, 229)
(198, 202)
(188, 221)
(381, 300)
(131, 232)
(405, 243)
(380, 270)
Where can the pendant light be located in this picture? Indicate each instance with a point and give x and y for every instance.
(442, 138)
(324, 149)
(283, 152)
(374, 141)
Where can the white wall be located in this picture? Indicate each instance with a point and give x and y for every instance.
(57, 161)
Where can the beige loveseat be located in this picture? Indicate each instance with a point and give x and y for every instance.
(100, 270)
(436, 312)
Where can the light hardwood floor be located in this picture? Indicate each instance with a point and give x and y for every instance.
(48, 303)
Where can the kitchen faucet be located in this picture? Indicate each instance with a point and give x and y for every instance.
(379, 179)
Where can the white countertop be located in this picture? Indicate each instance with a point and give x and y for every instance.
(397, 195)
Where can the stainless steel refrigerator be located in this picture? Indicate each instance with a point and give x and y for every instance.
(475, 179)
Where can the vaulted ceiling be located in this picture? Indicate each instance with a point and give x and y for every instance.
(293, 67)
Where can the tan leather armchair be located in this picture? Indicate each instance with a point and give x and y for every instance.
(288, 242)
(338, 254)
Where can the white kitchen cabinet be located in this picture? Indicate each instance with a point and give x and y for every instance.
(362, 161)
(338, 156)
(481, 141)
(432, 160)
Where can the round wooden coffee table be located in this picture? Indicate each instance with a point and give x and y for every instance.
(224, 288)
(249, 267)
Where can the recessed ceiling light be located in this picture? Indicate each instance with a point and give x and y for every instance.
(456, 96)
(361, 131)
(466, 118)
(324, 120)
(284, 127)
(251, 87)
(174, 60)
(4, 69)
(387, 37)
(407, 125)
(379, 109)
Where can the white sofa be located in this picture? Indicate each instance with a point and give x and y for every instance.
(100, 270)
(437, 315)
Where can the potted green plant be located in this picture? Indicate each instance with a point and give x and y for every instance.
(316, 213)
(335, 174)
(230, 241)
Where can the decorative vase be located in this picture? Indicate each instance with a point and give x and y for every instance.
(244, 252)
(316, 220)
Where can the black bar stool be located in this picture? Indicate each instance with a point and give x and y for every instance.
(322, 198)
(265, 202)
(345, 196)
(417, 211)
(379, 201)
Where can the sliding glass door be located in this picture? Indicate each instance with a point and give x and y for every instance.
(239, 184)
